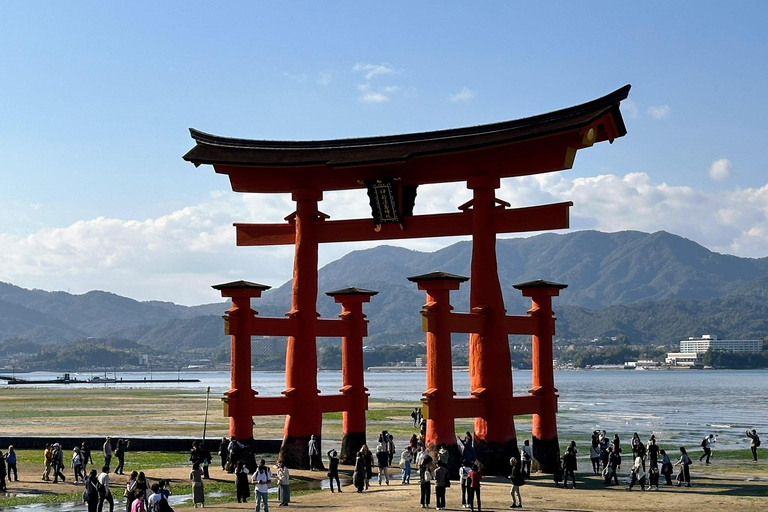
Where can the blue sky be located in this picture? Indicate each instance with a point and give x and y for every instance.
(96, 99)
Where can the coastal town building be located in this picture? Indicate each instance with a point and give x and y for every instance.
(687, 359)
(692, 349)
(710, 341)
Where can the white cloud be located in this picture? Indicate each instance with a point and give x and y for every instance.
(629, 109)
(379, 94)
(179, 255)
(659, 111)
(465, 94)
(371, 70)
(720, 169)
(373, 97)
(324, 78)
(296, 77)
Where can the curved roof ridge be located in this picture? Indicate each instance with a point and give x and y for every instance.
(605, 102)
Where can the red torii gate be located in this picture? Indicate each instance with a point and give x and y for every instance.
(391, 168)
(242, 402)
(491, 399)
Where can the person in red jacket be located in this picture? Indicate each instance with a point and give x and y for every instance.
(474, 488)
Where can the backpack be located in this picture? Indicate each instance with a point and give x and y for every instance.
(757, 441)
(704, 442)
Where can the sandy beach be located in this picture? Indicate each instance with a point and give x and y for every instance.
(726, 485)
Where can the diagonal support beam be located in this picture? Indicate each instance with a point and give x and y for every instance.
(517, 220)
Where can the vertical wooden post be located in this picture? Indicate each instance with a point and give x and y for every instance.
(490, 365)
(238, 325)
(301, 355)
(438, 397)
(544, 428)
(352, 370)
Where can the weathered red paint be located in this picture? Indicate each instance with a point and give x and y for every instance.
(543, 381)
(490, 366)
(439, 394)
(240, 396)
(301, 354)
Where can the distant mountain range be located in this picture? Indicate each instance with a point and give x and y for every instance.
(654, 288)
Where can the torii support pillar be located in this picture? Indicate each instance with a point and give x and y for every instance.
(439, 396)
(238, 400)
(544, 429)
(490, 367)
(306, 418)
(352, 377)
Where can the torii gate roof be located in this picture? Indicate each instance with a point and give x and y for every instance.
(532, 145)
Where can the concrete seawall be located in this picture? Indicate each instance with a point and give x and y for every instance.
(146, 444)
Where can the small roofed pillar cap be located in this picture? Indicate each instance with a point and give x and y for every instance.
(438, 280)
(241, 289)
(540, 286)
(352, 293)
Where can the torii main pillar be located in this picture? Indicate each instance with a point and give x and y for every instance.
(489, 358)
(306, 418)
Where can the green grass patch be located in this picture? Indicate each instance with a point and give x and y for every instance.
(45, 498)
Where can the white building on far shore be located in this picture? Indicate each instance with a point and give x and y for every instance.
(692, 349)
(710, 341)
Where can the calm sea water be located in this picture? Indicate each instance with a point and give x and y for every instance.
(679, 407)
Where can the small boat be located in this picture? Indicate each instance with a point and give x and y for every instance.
(101, 380)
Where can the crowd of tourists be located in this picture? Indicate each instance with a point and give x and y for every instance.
(649, 463)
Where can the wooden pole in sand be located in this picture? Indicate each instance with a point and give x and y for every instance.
(205, 422)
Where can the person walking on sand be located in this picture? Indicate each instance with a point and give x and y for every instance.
(464, 470)
(685, 474)
(517, 477)
(284, 481)
(223, 452)
(102, 487)
(405, 464)
(610, 472)
(666, 467)
(77, 464)
(314, 454)
(87, 459)
(707, 443)
(441, 483)
(594, 455)
(382, 459)
(58, 463)
(425, 478)
(652, 452)
(122, 446)
(570, 465)
(333, 469)
(751, 434)
(262, 477)
(358, 477)
(368, 459)
(10, 459)
(637, 474)
(198, 491)
(131, 490)
(107, 450)
(91, 494)
(48, 460)
(242, 486)
(527, 458)
(138, 503)
(474, 488)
